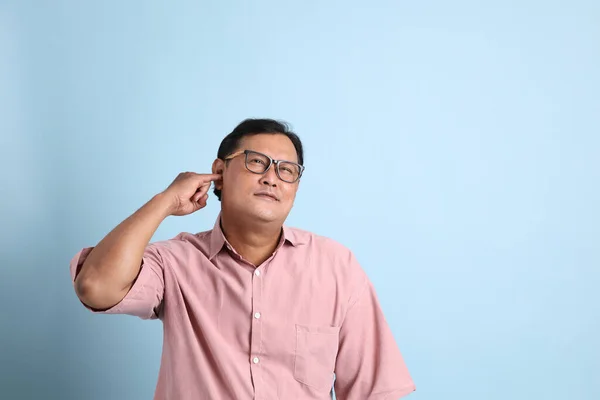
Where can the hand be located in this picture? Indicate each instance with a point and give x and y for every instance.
(189, 192)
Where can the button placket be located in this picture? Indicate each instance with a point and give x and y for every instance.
(256, 355)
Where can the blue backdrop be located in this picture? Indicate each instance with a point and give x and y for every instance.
(467, 135)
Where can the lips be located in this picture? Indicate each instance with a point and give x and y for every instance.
(267, 194)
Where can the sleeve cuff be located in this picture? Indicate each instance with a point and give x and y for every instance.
(397, 394)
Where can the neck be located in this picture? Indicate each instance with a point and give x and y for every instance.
(255, 242)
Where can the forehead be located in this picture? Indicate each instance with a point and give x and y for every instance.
(276, 146)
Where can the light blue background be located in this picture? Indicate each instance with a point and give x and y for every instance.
(453, 146)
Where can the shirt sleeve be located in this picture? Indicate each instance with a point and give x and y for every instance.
(369, 364)
(145, 296)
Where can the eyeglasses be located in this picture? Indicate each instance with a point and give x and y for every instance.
(260, 163)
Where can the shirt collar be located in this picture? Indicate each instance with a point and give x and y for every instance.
(218, 240)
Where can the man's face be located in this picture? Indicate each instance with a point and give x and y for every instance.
(241, 189)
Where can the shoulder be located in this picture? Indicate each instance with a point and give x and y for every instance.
(183, 242)
(303, 237)
(332, 258)
(325, 248)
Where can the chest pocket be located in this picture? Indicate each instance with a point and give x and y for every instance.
(316, 352)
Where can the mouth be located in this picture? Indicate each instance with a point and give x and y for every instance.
(266, 196)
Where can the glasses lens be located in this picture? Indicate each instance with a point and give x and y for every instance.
(256, 162)
(288, 171)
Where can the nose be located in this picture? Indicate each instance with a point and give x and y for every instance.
(270, 177)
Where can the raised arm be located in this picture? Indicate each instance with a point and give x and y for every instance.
(110, 269)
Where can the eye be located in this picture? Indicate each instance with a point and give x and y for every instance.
(257, 161)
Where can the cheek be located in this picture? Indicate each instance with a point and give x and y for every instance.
(236, 182)
(289, 194)
(229, 182)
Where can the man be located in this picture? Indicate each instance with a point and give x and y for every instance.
(252, 309)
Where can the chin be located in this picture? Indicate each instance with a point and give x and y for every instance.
(265, 215)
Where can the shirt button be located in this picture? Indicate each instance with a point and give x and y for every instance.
(257, 315)
(255, 360)
(257, 273)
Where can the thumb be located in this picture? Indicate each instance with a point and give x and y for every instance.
(200, 203)
(201, 192)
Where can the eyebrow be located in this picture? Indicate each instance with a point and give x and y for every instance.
(276, 159)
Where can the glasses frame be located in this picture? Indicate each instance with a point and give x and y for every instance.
(271, 162)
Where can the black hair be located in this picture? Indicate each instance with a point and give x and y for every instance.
(253, 126)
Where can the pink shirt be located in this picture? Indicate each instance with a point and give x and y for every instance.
(233, 331)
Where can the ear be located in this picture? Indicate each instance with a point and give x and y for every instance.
(218, 167)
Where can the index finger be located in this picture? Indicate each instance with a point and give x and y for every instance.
(211, 177)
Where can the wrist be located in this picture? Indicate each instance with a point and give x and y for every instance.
(164, 204)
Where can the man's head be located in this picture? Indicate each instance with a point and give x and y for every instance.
(245, 187)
